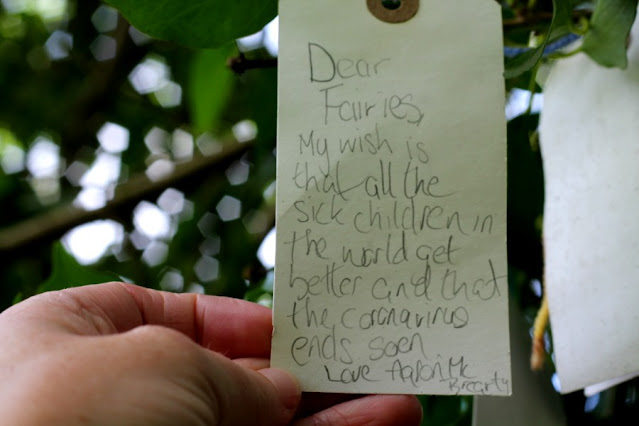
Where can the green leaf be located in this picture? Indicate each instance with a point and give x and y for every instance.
(562, 19)
(263, 292)
(67, 272)
(18, 298)
(210, 85)
(610, 26)
(524, 62)
(446, 410)
(560, 25)
(197, 23)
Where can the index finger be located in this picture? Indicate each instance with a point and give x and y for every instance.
(233, 327)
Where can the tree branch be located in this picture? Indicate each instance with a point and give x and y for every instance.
(240, 64)
(54, 223)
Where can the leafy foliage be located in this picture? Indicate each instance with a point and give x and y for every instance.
(67, 272)
(607, 38)
(604, 40)
(197, 23)
(210, 86)
(559, 27)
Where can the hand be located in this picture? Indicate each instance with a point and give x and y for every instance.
(118, 354)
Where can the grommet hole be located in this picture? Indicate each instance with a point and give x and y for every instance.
(391, 4)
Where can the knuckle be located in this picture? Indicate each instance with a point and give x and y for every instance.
(160, 337)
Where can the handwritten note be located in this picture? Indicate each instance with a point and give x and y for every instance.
(588, 135)
(391, 273)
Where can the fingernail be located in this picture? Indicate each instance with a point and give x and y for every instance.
(287, 386)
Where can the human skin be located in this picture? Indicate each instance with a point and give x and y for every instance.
(118, 354)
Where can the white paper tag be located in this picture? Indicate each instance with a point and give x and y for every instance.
(391, 272)
(588, 132)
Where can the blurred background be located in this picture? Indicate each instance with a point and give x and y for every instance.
(125, 157)
(143, 158)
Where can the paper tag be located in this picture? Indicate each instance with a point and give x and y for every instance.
(588, 135)
(391, 272)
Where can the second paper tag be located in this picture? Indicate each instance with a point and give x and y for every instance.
(391, 271)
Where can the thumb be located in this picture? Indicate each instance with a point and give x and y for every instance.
(242, 396)
(287, 389)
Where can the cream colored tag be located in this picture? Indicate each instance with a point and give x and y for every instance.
(391, 272)
(590, 149)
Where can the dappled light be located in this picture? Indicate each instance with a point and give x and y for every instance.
(59, 45)
(157, 141)
(138, 37)
(208, 145)
(12, 160)
(75, 171)
(210, 246)
(269, 192)
(169, 95)
(195, 288)
(238, 172)
(104, 171)
(160, 169)
(139, 240)
(44, 164)
(251, 42)
(591, 403)
(536, 287)
(207, 224)
(43, 159)
(46, 189)
(105, 19)
(104, 129)
(104, 47)
(172, 280)
(229, 208)
(171, 201)
(150, 75)
(245, 130)
(271, 36)
(266, 252)
(555, 382)
(48, 10)
(96, 180)
(519, 102)
(152, 221)
(206, 268)
(182, 145)
(12, 155)
(91, 198)
(155, 253)
(266, 38)
(88, 243)
(113, 138)
(188, 209)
